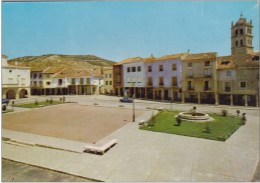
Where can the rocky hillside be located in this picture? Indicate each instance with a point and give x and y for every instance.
(65, 61)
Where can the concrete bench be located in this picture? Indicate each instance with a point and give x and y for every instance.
(101, 149)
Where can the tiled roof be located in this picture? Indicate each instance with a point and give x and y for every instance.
(51, 70)
(165, 57)
(130, 60)
(199, 56)
(76, 73)
(233, 62)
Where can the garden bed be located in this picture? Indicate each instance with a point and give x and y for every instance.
(220, 129)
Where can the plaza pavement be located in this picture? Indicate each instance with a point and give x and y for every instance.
(148, 156)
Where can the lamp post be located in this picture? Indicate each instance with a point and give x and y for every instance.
(133, 102)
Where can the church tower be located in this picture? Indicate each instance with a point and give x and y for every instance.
(241, 37)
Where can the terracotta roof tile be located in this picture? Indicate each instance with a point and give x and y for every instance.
(199, 56)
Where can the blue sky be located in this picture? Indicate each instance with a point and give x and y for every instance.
(119, 30)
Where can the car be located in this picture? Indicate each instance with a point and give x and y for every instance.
(126, 99)
(5, 101)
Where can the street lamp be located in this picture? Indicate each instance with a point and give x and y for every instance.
(133, 102)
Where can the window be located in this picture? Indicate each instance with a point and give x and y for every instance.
(128, 80)
(207, 72)
(110, 75)
(189, 73)
(161, 83)
(160, 67)
(241, 31)
(149, 68)
(128, 69)
(174, 68)
(40, 83)
(47, 76)
(236, 43)
(174, 81)
(106, 82)
(88, 81)
(40, 75)
(110, 82)
(189, 64)
(227, 87)
(207, 63)
(139, 68)
(60, 81)
(81, 81)
(35, 83)
(206, 85)
(236, 32)
(105, 75)
(34, 76)
(10, 71)
(48, 83)
(149, 82)
(190, 85)
(242, 84)
(133, 69)
(228, 73)
(241, 42)
(73, 81)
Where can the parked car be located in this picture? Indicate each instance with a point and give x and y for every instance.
(5, 102)
(126, 99)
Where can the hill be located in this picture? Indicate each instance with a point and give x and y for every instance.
(64, 61)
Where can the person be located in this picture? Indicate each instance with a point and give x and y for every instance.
(243, 119)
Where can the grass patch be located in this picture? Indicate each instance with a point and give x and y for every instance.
(40, 104)
(220, 129)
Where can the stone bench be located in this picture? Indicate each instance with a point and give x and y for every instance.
(100, 149)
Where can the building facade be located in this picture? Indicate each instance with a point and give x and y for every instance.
(15, 81)
(108, 81)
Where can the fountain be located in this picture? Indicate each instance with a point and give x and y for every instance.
(193, 115)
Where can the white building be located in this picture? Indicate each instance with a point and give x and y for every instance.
(15, 80)
(164, 77)
(134, 77)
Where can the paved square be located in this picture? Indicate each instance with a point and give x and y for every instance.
(70, 121)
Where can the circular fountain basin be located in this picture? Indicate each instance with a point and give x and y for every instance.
(194, 116)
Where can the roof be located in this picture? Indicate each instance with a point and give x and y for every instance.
(51, 70)
(130, 60)
(4, 56)
(200, 56)
(166, 57)
(232, 62)
(75, 73)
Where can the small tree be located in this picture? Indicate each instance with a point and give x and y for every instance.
(238, 112)
(36, 102)
(243, 119)
(51, 101)
(224, 112)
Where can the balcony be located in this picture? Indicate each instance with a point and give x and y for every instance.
(207, 89)
(174, 84)
(227, 89)
(190, 88)
(207, 75)
(149, 83)
(161, 84)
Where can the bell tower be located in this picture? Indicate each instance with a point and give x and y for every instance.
(241, 37)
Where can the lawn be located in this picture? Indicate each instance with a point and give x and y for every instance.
(220, 129)
(39, 104)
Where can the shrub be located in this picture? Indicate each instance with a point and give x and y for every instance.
(61, 99)
(207, 128)
(178, 120)
(224, 112)
(238, 112)
(51, 101)
(36, 102)
(4, 108)
(47, 100)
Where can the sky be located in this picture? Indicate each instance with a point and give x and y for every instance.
(118, 30)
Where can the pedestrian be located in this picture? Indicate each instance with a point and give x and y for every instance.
(243, 119)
